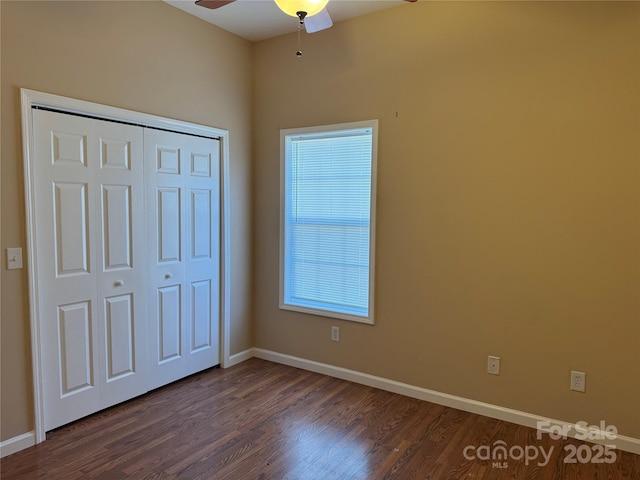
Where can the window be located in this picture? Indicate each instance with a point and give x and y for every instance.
(328, 177)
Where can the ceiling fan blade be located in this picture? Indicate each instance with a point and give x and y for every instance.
(213, 4)
(317, 22)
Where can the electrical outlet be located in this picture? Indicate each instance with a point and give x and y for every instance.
(493, 365)
(335, 334)
(578, 381)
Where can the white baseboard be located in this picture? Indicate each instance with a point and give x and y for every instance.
(627, 444)
(622, 442)
(15, 444)
(239, 357)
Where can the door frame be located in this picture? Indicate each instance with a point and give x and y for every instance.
(32, 98)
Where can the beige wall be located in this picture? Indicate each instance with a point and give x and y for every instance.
(144, 56)
(508, 188)
(508, 217)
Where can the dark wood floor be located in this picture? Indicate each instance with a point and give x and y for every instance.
(261, 420)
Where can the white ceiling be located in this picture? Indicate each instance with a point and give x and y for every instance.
(258, 20)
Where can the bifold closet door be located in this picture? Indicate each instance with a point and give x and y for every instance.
(90, 249)
(182, 181)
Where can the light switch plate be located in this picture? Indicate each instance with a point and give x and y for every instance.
(14, 258)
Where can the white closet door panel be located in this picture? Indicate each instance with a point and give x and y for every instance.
(165, 243)
(115, 154)
(170, 323)
(201, 218)
(120, 345)
(184, 194)
(167, 157)
(89, 221)
(71, 235)
(169, 225)
(117, 226)
(69, 147)
(201, 303)
(203, 261)
(76, 359)
(71, 379)
(120, 245)
(64, 198)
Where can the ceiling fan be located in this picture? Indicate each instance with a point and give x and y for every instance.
(313, 15)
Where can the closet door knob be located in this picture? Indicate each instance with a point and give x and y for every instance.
(167, 275)
(118, 283)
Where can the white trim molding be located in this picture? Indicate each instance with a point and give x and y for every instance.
(622, 442)
(239, 357)
(358, 307)
(15, 444)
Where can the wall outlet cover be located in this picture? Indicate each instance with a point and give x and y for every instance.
(335, 334)
(493, 365)
(578, 381)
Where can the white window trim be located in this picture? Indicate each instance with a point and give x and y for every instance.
(373, 124)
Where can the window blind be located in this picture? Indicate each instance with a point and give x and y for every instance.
(327, 213)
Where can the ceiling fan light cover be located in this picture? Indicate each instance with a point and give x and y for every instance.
(292, 7)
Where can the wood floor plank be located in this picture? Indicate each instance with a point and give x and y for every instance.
(263, 421)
